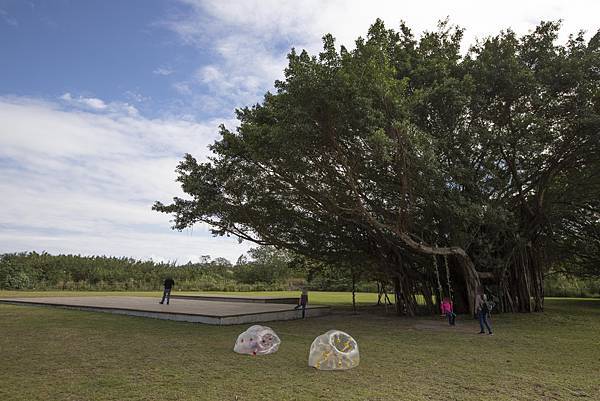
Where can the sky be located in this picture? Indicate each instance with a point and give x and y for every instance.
(100, 99)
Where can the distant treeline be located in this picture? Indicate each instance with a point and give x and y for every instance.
(561, 285)
(43, 271)
(265, 269)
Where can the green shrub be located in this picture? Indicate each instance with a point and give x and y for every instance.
(565, 286)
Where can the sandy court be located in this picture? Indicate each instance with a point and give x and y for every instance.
(204, 311)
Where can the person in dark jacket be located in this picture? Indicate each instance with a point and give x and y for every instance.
(169, 283)
(483, 313)
(302, 302)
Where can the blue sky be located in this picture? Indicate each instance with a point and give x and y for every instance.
(118, 50)
(99, 100)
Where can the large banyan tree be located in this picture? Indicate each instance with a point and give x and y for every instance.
(403, 154)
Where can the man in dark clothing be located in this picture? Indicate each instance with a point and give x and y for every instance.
(302, 302)
(169, 283)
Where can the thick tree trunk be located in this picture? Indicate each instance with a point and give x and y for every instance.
(523, 286)
(428, 296)
(462, 285)
(472, 282)
(405, 300)
(405, 285)
(537, 277)
(398, 297)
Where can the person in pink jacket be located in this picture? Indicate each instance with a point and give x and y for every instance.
(448, 309)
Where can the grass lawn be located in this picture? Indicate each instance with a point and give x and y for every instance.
(56, 354)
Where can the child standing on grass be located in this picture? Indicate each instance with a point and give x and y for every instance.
(448, 310)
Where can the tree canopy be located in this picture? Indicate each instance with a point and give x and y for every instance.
(403, 150)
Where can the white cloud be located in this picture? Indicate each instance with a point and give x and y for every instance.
(8, 19)
(209, 74)
(84, 182)
(87, 102)
(98, 105)
(136, 96)
(159, 247)
(249, 39)
(165, 71)
(182, 88)
(307, 21)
